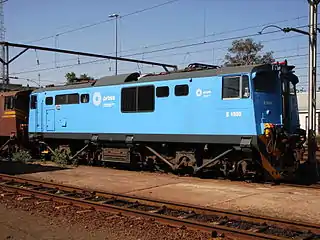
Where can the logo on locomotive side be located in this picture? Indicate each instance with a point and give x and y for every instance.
(199, 92)
(96, 98)
(203, 93)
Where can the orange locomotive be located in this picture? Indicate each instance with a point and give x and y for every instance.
(14, 111)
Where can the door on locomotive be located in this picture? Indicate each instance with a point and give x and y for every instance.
(50, 114)
(237, 104)
(34, 119)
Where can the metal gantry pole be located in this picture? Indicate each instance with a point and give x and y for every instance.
(312, 84)
(314, 66)
(116, 16)
(3, 53)
(7, 65)
(117, 43)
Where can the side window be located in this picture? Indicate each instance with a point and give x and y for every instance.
(231, 87)
(137, 99)
(181, 90)
(33, 102)
(61, 99)
(84, 98)
(49, 100)
(146, 99)
(128, 99)
(67, 99)
(292, 89)
(9, 103)
(73, 98)
(162, 92)
(245, 86)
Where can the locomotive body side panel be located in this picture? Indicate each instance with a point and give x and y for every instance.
(194, 111)
(237, 119)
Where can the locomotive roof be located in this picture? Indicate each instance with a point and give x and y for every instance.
(14, 92)
(137, 78)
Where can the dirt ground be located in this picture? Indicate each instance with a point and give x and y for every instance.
(29, 220)
(299, 204)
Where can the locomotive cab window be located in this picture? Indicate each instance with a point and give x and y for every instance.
(49, 100)
(181, 90)
(67, 99)
(9, 102)
(265, 81)
(245, 87)
(138, 99)
(235, 87)
(162, 91)
(33, 102)
(84, 98)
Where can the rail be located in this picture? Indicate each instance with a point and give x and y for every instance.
(213, 220)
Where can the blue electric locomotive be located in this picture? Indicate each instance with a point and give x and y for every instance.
(237, 121)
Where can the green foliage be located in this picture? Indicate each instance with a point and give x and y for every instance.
(72, 77)
(247, 52)
(85, 77)
(61, 156)
(22, 156)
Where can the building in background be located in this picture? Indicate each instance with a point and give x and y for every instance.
(303, 110)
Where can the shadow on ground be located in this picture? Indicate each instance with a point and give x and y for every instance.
(14, 168)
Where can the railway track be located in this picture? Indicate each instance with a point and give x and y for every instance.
(216, 221)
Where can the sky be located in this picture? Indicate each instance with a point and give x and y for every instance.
(176, 32)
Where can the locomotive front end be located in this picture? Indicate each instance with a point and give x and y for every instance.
(280, 138)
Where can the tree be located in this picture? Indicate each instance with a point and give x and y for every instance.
(84, 76)
(71, 77)
(246, 52)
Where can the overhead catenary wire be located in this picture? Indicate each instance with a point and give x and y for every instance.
(213, 34)
(103, 21)
(179, 47)
(189, 52)
(170, 42)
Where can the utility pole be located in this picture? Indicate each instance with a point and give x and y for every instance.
(313, 22)
(116, 16)
(2, 38)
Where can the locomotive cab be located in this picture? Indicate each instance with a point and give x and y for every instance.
(275, 97)
(14, 111)
(280, 138)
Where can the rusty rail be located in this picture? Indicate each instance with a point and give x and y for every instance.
(176, 214)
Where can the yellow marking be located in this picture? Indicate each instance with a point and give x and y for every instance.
(9, 116)
(9, 112)
(19, 116)
(266, 164)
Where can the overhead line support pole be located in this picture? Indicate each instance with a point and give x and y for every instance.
(312, 144)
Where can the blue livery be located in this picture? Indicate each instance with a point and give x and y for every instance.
(204, 111)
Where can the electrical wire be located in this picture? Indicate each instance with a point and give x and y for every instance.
(104, 21)
(175, 47)
(177, 54)
(215, 34)
(206, 42)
